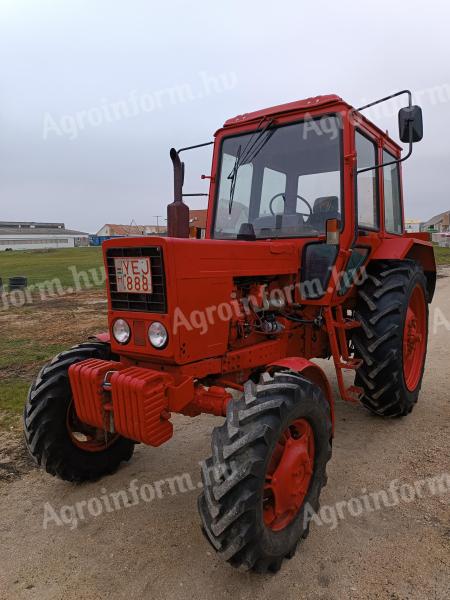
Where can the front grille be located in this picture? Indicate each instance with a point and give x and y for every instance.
(155, 302)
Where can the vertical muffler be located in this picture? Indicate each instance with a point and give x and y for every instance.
(177, 211)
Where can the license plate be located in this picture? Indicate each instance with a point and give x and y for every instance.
(133, 275)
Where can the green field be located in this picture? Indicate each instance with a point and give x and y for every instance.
(442, 255)
(17, 357)
(45, 265)
(12, 399)
(34, 333)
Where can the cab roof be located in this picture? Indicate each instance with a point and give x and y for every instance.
(302, 105)
(284, 108)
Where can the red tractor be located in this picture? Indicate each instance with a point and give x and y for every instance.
(305, 257)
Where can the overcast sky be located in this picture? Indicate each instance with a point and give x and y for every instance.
(94, 94)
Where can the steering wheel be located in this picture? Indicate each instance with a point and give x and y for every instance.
(284, 200)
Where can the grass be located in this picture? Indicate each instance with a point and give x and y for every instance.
(45, 265)
(12, 398)
(442, 255)
(23, 348)
(22, 352)
(16, 357)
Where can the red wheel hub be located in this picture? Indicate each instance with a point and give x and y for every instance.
(288, 475)
(86, 437)
(414, 338)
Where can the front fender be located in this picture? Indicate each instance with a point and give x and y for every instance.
(310, 371)
(103, 337)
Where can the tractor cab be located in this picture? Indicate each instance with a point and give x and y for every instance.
(286, 171)
(281, 182)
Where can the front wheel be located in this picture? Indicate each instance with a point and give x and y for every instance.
(55, 438)
(262, 484)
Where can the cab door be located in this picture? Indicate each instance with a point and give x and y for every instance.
(367, 185)
(392, 197)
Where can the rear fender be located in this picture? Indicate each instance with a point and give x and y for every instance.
(310, 371)
(412, 248)
(424, 255)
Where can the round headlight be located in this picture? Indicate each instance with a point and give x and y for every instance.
(157, 334)
(121, 331)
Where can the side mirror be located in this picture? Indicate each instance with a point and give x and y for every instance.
(410, 124)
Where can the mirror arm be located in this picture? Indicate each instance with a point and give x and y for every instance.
(387, 98)
(392, 162)
(410, 149)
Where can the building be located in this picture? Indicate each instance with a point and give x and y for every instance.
(439, 227)
(197, 223)
(111, 230)
(440, 223)
(197, 228)
(29, 235)
(413, 225)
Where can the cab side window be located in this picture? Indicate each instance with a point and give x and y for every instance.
(392, 205)
(367, 189)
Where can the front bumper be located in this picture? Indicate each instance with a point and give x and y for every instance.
(128, 400)
(137, 402)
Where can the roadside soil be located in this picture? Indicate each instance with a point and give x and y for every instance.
(156, 549)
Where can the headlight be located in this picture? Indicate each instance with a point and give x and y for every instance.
(121, 331)
(157, 334)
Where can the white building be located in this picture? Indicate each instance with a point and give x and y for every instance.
(413, 225)
(15, 235)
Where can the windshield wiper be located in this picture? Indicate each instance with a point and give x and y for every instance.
(250, 152)
(233, 177)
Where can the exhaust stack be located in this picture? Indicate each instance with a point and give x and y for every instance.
(177, 211)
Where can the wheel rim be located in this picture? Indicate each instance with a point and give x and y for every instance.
(414, 338)
(288, 475)
(86, 437)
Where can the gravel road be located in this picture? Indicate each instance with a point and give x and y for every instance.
(154, 549)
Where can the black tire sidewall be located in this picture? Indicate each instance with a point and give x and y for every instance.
(382, 307)
(46, 430)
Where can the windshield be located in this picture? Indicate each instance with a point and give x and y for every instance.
(287, 184)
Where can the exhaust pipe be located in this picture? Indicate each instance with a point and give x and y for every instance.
(177, 211)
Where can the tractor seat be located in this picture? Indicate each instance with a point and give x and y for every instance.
(325, 207)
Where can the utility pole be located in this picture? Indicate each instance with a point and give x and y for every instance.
(157, 217)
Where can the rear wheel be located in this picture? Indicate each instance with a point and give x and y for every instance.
(54, 436)
(392, 340)
(263, 481)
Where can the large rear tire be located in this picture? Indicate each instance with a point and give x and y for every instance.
(262, 484)
(392, 307)
(55, 438)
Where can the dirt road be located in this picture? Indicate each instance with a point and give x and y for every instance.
(154, 549)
